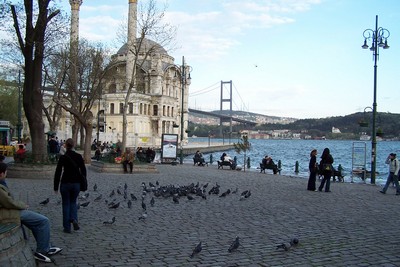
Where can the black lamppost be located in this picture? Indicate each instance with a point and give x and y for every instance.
(185, 80)
(378, 39)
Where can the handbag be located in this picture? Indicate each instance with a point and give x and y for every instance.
(327, 167)
(83, 181)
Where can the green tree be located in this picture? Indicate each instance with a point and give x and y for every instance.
(243, 146)
(9, 101)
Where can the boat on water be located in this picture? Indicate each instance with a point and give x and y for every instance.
(365, 137)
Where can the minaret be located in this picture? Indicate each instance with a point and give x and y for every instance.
(75, 4)
(132, 28)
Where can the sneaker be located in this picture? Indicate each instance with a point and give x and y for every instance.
(41, 257)
(53, 251)
(382, 192)
(76, 225)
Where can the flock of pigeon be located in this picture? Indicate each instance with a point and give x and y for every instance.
(176, 193)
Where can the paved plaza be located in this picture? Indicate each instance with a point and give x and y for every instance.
(354, 225)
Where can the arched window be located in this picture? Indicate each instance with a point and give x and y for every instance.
(155, 110)
(140, 108)
(121, 108)
(130, 108)
(112, 108)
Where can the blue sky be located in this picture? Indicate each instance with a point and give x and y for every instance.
(288, 58)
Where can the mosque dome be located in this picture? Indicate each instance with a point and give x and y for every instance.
(147, 43)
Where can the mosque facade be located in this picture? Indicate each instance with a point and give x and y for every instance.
(156, 104)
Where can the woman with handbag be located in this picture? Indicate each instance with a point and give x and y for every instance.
(73, 180)
(327, 169)
(313, 168)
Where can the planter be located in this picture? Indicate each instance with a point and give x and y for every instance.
(104, 167)
(31, 171)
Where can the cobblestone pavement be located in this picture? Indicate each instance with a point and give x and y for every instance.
(354, 225)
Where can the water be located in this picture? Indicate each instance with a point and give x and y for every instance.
(290, 151)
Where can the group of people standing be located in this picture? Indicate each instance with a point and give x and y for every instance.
(324, 167)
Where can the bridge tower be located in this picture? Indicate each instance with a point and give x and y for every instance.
(223, 100)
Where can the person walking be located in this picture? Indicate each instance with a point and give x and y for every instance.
(72, 167)
(313, 169)
(327, 169)
(393, 176)
(12, 210)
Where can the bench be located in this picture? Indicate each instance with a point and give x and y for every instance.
(221, 164)
(272, 167)
(199, 162)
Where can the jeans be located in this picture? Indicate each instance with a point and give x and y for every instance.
(69, 194)
(392, 179)
(40, 227)
(327, 180)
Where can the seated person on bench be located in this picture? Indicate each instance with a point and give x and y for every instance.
(198, 159)
(268, 163)
(228, 161)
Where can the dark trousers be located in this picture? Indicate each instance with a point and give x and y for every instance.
(69, 194)
(311, 181)
(125, 163)
(327, 180)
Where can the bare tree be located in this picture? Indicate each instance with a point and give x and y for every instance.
(151, 26)
(79, 100)
(32, 23)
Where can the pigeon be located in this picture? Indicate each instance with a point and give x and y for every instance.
(125, 186)
(157, 183)
(143, 216)
(125, 194)
(44, 202)
(283, 246)
(133, 197)
(196, 250)
(110, 222)
(112, 193)
(152, 202)
(85, 204)
(294, 242)
(98, 197)
(144, 206)
(95, 187)
(114, 206)
(175, 199)
(129, 204)
(119, 191)
(235, 191)
(189, 197)
(235, 244)
(245, 194)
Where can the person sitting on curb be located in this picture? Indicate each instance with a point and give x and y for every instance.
(12, 210)
(127, 158)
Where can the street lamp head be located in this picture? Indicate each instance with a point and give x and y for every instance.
(365, 46)
(386, 46)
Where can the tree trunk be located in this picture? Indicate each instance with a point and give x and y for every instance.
(87, 157)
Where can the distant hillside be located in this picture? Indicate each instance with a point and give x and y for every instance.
(258, 118)
(348, 125)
